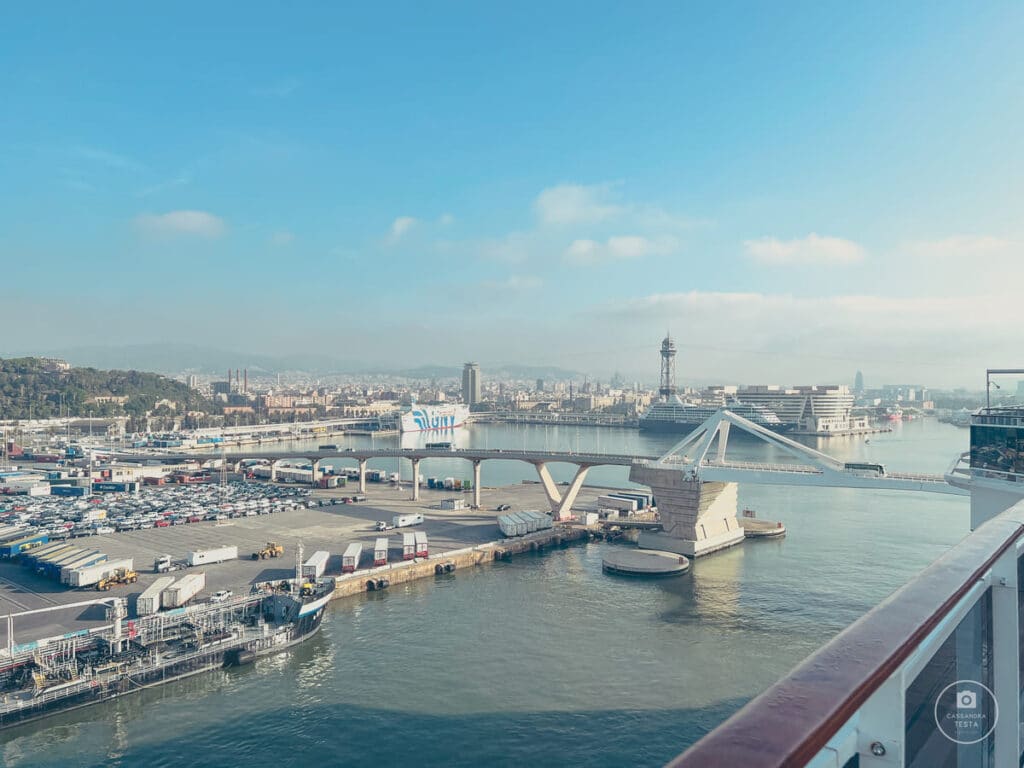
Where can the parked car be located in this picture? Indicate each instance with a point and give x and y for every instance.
(221, 595)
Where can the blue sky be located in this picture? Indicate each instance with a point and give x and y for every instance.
(796, 190)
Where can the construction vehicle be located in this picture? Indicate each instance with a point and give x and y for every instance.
(120, 576)
(271, 550)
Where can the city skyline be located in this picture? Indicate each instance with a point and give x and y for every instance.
(559, 193)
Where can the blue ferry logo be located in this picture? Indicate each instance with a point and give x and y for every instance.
(424, 421)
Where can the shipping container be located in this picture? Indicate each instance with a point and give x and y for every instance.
(403, 521)
(408, 546)
(453, 503)
(642, 500)
(148, 602)
(422, 550)
(432, 482)
(380, 551)
(88, 575)
(208, 556)
(118, 487)
(42, 551)
(92, 558)
(449, 483)
(315, 566)
(18, 545)
(51, 566)
(510, 524)
(67, 490)
(350, 560)
(183, 590)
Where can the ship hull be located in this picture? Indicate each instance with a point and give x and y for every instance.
(666, 426)
(431, 418)
(307, 624)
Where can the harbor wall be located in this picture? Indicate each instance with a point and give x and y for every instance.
(409, 570)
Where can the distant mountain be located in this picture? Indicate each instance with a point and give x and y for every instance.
(177, 358)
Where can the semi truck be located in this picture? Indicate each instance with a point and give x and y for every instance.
(183, 590)
(404, 521)
(210, 556)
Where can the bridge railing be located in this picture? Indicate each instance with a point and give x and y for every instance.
(930, 677)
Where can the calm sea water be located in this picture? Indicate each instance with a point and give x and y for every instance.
(544, 660)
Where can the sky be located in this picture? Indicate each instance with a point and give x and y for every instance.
(793, 190)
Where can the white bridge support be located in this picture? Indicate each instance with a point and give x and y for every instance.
(697, 517)
(561, 506)
(476, 482)
(362, 475)
(415, 479)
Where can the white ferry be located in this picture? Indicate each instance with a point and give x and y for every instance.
(425, 418)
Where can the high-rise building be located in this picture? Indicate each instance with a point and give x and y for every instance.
(858, 383)
(471, 383)
(540, 385)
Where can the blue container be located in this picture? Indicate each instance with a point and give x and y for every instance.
(67, 490)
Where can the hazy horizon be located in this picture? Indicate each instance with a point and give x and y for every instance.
(794, 193)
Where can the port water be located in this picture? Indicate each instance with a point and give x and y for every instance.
(482, 666)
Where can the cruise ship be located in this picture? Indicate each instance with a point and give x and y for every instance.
(425, 418)
(675, 415)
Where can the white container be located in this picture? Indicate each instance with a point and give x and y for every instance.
(350, 559)
(208, 556)
(148, 602)
(453, 503)
(380, 551)
(183, 590)
(316, 565)
(590, 518)
(422, 550)
(403, 521)
(449, 483)
(91, 574)
(408, 546)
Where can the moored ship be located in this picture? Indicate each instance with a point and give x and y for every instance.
(44, 677)
(674, 415)
(425, 418)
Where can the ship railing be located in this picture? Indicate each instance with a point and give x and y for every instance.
(931, 676)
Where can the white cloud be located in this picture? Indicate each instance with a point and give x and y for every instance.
(961, 247)
(513, 283)
(575, 204)
(446, 220)
(282, 238)
(400, 227)
(619, 248)
(813, 249)
(198, 223)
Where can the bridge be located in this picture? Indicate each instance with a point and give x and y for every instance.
(695, 482)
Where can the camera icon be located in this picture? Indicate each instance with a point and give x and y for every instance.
(966, 700)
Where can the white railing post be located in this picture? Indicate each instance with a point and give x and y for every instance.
(881, 733)
(1006, 657)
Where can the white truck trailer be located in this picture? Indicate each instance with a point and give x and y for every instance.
(210, 556)
(421, 545)
(88, 575)
(148, 602)
(183, 590)
(380, 551)
(350, 559)
(404, 521)
(408, 546)
(316, 565)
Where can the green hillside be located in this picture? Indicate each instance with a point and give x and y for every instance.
(31, 387)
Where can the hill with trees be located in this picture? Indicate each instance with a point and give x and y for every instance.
(39, 388)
